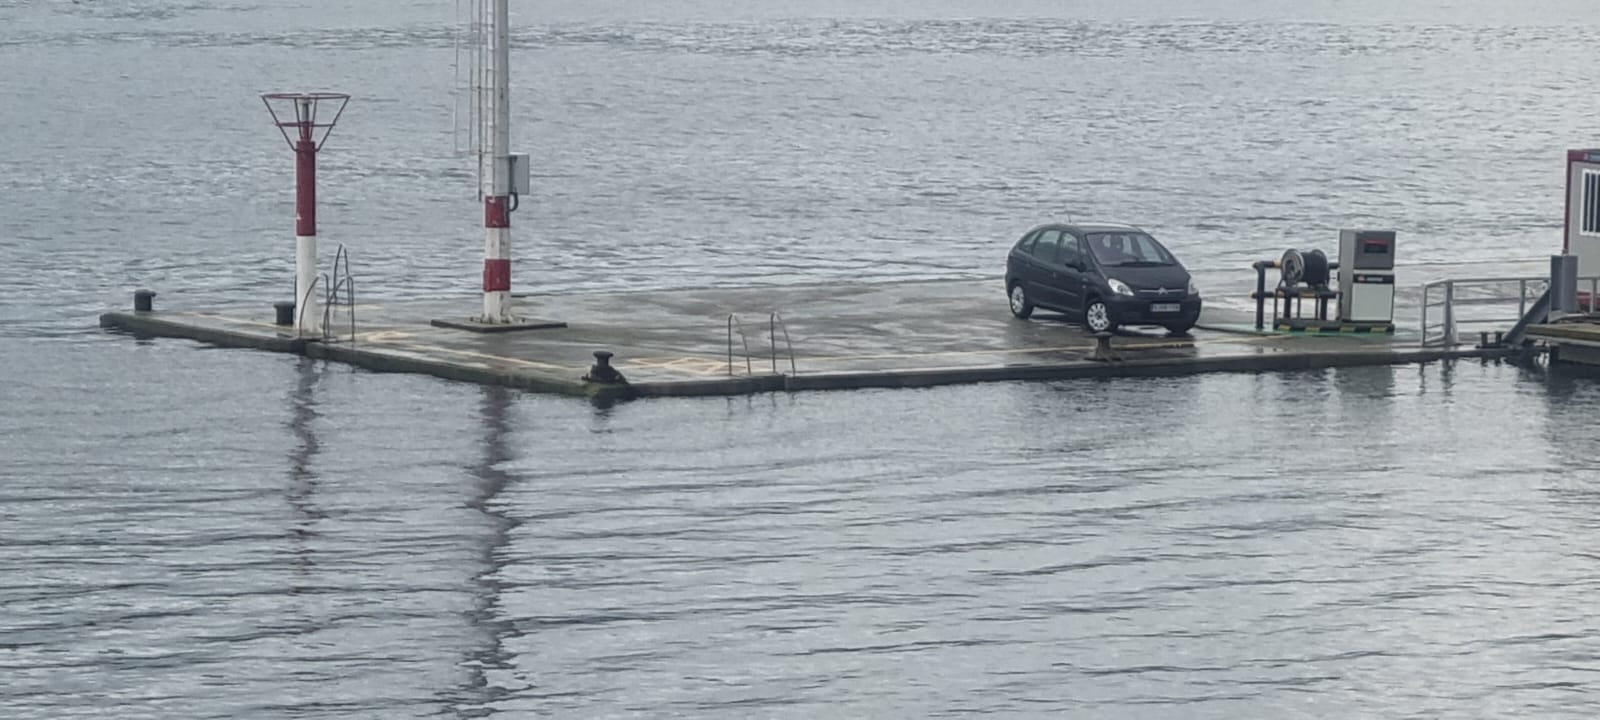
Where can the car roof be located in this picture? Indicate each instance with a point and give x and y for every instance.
(1086, 227)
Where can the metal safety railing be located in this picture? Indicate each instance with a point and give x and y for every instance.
(347, 283)
(775, 324)
(336, 292)
(300, 305)
(732, 321)
(1450, 305)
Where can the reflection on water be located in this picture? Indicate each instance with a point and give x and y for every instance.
(279, 539)
(303, 478)
(1216, 546)
(301, 494)
(487, 658)
(1571, 399)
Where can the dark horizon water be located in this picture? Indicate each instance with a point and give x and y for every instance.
(188, 532)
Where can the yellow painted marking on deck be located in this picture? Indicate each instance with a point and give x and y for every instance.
(486, 356)
(691, 365)
(700, 367)
(1255, 338)
(706, 366)
(399, 339)
(238, 321)
(383, 336)
(378, 336)
(649, 362)
(997, 351)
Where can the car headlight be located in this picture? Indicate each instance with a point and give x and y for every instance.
(1192, 289)
(1119, 287)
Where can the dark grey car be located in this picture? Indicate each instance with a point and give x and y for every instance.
(1103, 276)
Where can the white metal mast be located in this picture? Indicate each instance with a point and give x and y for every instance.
(494, 161)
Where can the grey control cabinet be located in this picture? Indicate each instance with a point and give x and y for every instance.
(1366, 276)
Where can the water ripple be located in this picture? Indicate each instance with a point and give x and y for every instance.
(209, 533)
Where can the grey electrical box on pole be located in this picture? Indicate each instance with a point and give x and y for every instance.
(1366, 276)
(520, 176)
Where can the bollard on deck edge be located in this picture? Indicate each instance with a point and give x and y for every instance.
(602, 371)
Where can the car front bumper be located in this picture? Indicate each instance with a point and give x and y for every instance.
(1141, 311)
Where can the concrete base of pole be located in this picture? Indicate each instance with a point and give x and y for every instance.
(478, 326)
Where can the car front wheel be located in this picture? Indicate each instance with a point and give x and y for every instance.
(1097, 316)
(1021, 306)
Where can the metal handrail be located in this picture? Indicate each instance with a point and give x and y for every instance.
(341, 255)
(1445, 332)
(775, 321)
(734, 320)
(346, 281)
(300, 307)
(330, 297)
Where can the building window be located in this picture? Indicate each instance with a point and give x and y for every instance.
(1589, 208)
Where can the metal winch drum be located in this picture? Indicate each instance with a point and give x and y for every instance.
(1309, 267)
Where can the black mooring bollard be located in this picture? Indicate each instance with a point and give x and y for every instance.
(1102, 348)
(601, 371)
(285, 312)
(143, 300)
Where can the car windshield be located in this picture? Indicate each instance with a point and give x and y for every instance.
(1128, 249)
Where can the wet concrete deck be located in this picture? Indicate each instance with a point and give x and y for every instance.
(841, 336)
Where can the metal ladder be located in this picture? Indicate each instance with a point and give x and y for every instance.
(774, 324)
(339, 291)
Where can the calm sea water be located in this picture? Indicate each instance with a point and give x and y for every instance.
(192, 532)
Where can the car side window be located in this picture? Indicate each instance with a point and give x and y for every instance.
(1071, 250)
(1026, 243)
(1045, 249)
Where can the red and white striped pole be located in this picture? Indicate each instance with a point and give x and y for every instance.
(495, 164)
(308, 317)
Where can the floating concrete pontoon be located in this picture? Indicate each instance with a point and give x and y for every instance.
(1574, 342)
(731, 342)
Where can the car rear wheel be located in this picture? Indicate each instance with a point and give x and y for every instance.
(1097, 316)
(1021, 306)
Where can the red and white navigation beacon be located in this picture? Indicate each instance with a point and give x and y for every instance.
(495, 171)
(503, 177)
(305, 119)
